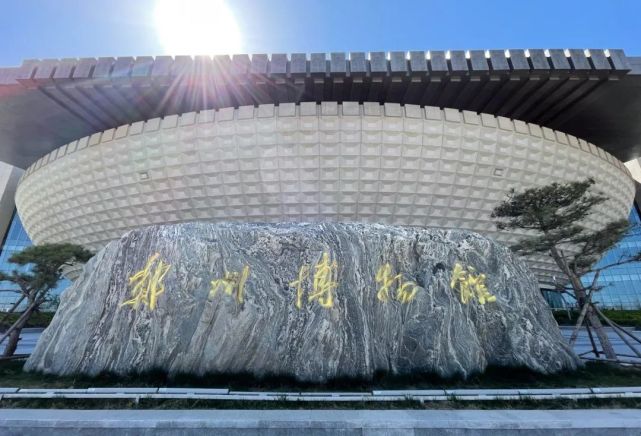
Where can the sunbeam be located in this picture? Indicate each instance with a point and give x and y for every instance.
(197, 27)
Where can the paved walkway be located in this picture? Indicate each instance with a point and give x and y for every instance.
(583, 344)
(319, 422)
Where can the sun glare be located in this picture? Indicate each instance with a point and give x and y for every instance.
(197, 27)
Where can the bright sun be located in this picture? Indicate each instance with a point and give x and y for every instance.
(197, 27)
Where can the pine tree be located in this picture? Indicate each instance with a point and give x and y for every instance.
(47, 262)
(555, 214)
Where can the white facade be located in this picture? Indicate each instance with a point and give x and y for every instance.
(401, 165)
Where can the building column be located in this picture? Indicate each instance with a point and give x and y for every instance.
(9, 177)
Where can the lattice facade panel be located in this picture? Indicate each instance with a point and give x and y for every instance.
(392, 164)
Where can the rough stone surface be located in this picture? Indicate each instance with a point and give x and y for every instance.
(191, 331)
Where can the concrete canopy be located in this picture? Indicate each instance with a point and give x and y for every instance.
(592, 94)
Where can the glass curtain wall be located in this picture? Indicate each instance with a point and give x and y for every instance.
(16, 240)
(621, 284)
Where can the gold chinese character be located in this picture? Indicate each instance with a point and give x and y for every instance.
(148, 283)
(303, 274)
(470, 285)
(233, 283)
(385, 278)
(405, 291)
(323, 282)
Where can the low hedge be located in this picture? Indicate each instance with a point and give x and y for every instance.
(38, 319)
(627, 318)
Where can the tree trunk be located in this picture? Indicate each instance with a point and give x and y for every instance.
(595, 322)
(12, 343)
(14, 336)
(579, 324)
(581, 298)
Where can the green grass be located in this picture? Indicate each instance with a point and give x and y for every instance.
(627, 318)
(591, 375)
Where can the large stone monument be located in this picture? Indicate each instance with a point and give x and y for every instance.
(312, 301)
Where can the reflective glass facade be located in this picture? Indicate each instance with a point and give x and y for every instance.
(16, 240)
(621, 284)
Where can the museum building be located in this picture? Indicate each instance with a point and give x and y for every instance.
(92, 148)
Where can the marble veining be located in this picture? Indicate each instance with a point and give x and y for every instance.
(342, 326)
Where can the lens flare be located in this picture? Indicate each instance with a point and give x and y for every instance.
(197, 27)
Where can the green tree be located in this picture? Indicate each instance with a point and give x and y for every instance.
(555, 215)
(47, 262)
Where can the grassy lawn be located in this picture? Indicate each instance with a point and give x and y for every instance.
(591, 375)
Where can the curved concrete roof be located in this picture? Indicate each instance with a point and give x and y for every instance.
(593, 94)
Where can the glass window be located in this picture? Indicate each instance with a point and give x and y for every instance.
(621, 284)
(16, 240)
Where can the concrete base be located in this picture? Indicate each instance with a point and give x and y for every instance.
(319, 422)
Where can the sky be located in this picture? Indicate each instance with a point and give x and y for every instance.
(91, 28)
